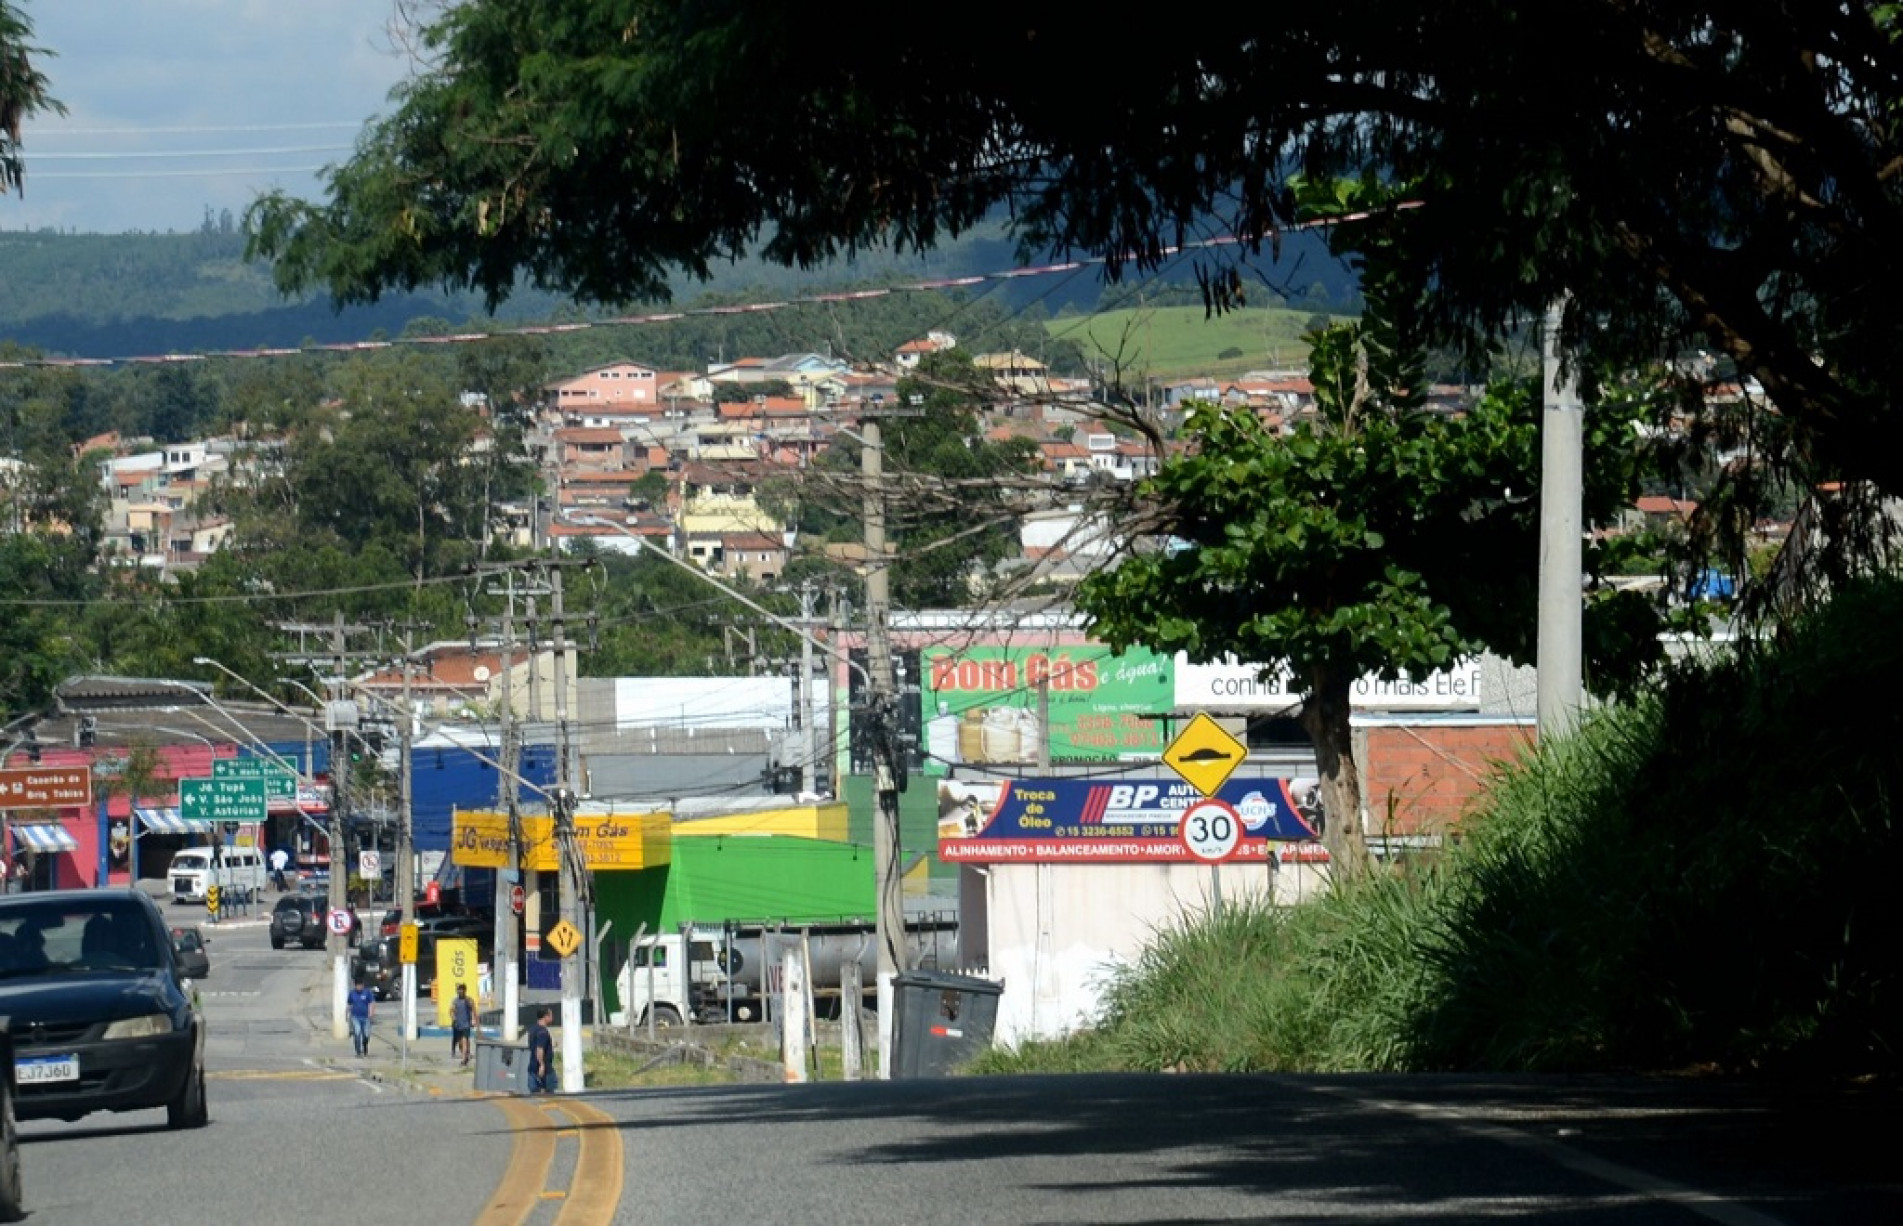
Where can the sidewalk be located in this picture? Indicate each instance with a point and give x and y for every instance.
(428, 1069)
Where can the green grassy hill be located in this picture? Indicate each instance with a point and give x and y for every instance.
(1172, 342)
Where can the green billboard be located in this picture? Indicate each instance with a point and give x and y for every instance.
(980, 704)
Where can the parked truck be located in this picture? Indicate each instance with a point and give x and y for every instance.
(725, 972)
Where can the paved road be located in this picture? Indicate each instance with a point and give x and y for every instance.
(302, 1131)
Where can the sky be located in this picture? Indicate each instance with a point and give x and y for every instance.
(176, 106)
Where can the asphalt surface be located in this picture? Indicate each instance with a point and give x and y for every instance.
(303, 1129)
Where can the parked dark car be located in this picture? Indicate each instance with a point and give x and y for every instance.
(300, 918)
(423, 910)
(188, 948)
(101, 1019)
(377, 962)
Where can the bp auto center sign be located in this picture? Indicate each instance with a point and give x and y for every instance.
(1075, 821)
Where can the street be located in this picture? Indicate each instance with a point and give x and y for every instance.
(302, 1130)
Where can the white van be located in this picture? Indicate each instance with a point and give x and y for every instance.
(240, 868)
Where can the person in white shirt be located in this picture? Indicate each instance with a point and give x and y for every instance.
(280, 860)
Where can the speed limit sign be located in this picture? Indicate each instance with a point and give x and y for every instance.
(1212, 830)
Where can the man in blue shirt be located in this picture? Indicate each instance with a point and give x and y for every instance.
(362, 1002)
(541, 1054)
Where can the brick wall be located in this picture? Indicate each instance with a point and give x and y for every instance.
(1421, 778)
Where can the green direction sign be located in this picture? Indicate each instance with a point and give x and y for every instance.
(278, 782)
(221, 800)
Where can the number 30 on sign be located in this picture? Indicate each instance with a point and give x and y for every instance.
(1212, 830)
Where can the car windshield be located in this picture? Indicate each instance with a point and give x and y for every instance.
(42, 937)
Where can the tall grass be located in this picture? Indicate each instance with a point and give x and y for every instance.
(1704, 877)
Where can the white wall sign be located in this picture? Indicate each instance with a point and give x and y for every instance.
(1237, 687)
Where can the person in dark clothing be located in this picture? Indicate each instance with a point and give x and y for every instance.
(462, 1023)
(541, 1055)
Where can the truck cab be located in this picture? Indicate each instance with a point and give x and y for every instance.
(675, 985)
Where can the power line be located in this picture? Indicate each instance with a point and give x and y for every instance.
(111, 156)
(244, 597)
(178, 174)
(171, 129)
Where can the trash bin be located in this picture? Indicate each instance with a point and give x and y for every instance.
(940, 1021)
(502, 1068)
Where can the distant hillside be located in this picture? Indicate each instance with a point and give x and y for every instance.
(94, 295)
(1162, 343)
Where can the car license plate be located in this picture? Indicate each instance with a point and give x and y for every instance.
(38, 1070)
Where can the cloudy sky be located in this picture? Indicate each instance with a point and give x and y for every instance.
(176, 106)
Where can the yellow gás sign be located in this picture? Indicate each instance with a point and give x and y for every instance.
(480, 839)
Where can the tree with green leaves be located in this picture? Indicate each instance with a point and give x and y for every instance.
(1380, 537)
(1689, 174)
(384, 466)
(23, 92)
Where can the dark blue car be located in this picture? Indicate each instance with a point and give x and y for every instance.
(100, 1017)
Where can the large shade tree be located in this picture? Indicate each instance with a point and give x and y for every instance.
(1379, 536)
(1684, 169)
(23, 92)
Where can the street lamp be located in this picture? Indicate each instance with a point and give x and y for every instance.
(317, 703)
(339, 774)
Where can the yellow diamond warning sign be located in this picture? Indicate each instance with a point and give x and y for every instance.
(1205, 754)
(564, 938)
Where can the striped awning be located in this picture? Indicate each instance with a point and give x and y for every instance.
(44, 836)
(165, 821)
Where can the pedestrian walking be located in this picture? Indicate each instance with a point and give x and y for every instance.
(362, 1002)
(462, 1023)
(541, 1054)
(280, 860)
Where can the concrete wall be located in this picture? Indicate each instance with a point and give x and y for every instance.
(1057, 929)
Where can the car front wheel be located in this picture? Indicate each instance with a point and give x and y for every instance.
(188, 1109)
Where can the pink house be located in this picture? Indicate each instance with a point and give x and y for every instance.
(618, 383)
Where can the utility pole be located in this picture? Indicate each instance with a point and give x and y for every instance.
(406, 828)
(570, 869)
(886, 764)
(1559, 689)
(341, 721)
(518, 934)
(804, 695)
(506, 921)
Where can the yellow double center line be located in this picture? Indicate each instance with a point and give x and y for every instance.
(594, 1188)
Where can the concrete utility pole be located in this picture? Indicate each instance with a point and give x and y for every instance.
(341, 720)
(568, 876)
(1560, 692)
(886, 764)
(507, 973)
(516, 935)
(406, 829)
(803, 697)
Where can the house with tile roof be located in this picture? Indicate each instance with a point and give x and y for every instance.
(909, 354)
